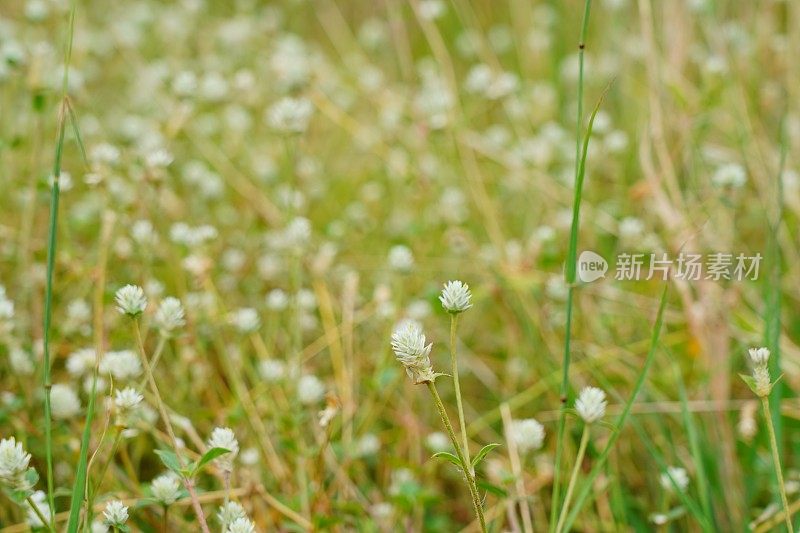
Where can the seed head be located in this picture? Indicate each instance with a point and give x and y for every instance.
(528, 434)
(169, 316)
(131, 300)
(14, 462)
(115, 513)
(591, 404)
(408, 344)
(166, 488)
(456, 297)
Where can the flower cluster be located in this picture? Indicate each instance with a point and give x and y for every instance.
(408, 344)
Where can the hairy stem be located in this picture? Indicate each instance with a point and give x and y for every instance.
(457, 386)
(773, 444)
(473, 489)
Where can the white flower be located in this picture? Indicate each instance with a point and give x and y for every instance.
(39, 499)
(169, 315)
(369, 444)
(14, 461)
(438, 442)
(20, 361)
(126, 401)
(64, 401)
(290, 115)
(245, 320)
(408, 344)
(401, 258)
(271, 370)
(131, 300)
(730, 175)
(241, 525)
(115, 513)
(166, 488)
(527, 434)
(591, 404)
(81, 361)
(123, 364)
(455, 297)
(277, 300)
(678, 475)
(230, 513)
(224, 438)
(310, 389)
(759, 356)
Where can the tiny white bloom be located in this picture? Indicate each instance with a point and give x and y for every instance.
(401, 258)
(39, 499)
(64, 401)
(14, 461)
(127, 402)
(81, 361)
(310, 389)
(527, 434)
(229, 513)
(122, 365)
(456, 297)
(408, 344)
(591, 404)
(246, 320)
(224, 438)
(759, 356)
(166, 488)
(290, 115)
(131, 300)
(438, 442)
(678, 475)
(115, 513)
(241, 525)
(169, 315)
(271, 370)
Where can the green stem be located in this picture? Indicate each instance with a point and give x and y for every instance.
(39, 515)
(574, 477)
(457, 386)
(473, 489)
(570, 273)
(773, 443)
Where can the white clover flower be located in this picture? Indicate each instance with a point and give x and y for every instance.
(14, 461)
(271, 370)
(115, 513)
(759, 356)
(527, 434)
(81, 361)
(39, 499)
(408, 344)
(122, 365)
(241, 525)
(310, 389)
(169, 315)
(64, 401)
(591, 404)
(131, 300)
(230, 513)
(246, 320)
(456, 297)
(678, 475)
(224, 438)
(166, 488)
(290, 115)
(401, 258)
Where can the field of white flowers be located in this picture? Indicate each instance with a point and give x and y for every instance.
(399, 265)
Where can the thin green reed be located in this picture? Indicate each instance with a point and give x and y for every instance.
(572, 256)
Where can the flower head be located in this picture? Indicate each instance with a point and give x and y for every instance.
(527, 434)
(131, 300)
(115, 513)
(759, 356)
(229, 513)
(39, 499)
(408, 344)
(166, 488)
(290, 115)
(241, 525)
(591, 404)
(676, 474)
(64, 401)
(14, 462)
(169, 315)
(224, 438)
(310, 389)
(456, 297)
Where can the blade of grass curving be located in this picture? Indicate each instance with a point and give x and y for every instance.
(694, 445)
(586, 488)
(51, 254)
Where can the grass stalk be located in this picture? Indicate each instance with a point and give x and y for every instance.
(572, 256)
(776, 459)
(473, 488)
(573, 477)
(457, 387)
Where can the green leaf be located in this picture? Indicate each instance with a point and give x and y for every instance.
(491, 489)
(482, 454)
(449, 457)
(207, 457)
(170, 460)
